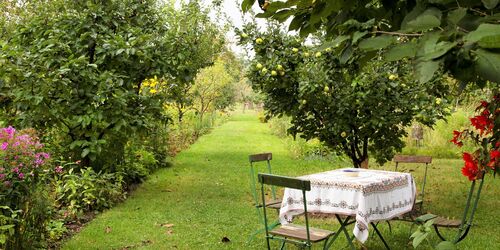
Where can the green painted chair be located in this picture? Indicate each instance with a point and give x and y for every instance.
(418, 207)
(302, 236)
(274, 202)
(463, 225)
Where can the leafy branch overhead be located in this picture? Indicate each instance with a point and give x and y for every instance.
(462, 36)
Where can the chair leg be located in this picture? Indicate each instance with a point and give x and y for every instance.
(283, 245)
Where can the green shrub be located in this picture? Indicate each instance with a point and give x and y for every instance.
(56, 229)
(436, 141)
(299, 148)
(77, 193)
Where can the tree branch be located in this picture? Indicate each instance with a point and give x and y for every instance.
(396, 33)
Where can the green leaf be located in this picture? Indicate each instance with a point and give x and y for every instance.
(296, 22)
(429, 19)
(357, 35)
(445, 245)
(378, 42)
(455, 16)
(5, 227)
(85, 152)
(426, 69)
(487, 65)
(490, 42)
(401, 51)
(282, 15)
(490, 4)
(418, 239)
(482, 32)
(247, 5)
(438, 50)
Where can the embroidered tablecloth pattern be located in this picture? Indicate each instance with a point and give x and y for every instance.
(373, 195)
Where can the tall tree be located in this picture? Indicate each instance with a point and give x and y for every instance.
(78, 66)
(354, 109)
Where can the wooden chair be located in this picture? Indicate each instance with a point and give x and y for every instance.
(302, 236)
(274, 203)
(418, 206)
(463, 225)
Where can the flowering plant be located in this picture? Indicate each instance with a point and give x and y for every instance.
(22, 160)
(486, 135)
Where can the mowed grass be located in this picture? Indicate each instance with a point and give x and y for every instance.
(205, 197)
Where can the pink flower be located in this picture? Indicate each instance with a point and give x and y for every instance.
(2, 176)
(9, 131)
(21, 176)
(4, 145)
(59, 169)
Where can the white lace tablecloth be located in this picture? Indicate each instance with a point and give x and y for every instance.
(373, 195)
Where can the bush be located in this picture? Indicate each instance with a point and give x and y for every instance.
(23, 197)
(300, 148)
(436, 141)
(139, 163)
(77, 193)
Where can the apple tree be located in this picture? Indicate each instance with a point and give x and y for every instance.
(355, 109)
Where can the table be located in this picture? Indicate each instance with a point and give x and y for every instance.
(372, 195)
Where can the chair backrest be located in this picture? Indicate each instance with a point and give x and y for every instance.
(412, 159)
(260, 157)
(283, 181)
(287, 182)
(415, 159)
(267, 157)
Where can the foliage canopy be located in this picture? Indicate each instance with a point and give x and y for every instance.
(463, 36)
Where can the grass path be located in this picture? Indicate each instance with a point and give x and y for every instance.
(205, 197)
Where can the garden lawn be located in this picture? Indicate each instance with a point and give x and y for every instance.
(204, 201)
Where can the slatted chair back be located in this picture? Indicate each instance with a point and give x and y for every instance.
(287, 182)
(415, 159)
(255, 158)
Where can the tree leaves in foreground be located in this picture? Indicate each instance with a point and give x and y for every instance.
(462, 36)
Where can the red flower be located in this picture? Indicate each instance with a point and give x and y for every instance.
(481, 123)
(470, 168)
(494, 154)
(494, 159)
(456, 137)
(484, 104)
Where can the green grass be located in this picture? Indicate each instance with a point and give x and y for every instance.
(206, 197)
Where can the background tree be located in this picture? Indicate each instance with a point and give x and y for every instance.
(196, 41)
(354, 110)
(213, 88)
(78, 67)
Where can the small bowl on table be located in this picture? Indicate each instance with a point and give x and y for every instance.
(351, 172)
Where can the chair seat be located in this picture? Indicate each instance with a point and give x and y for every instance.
(299, 232)
(443, 222)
